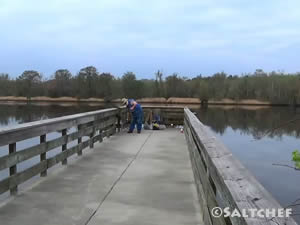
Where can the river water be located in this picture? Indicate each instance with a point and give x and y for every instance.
(258, 136)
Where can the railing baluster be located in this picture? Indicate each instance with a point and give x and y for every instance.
(92, 135)
(13, 169)
(107, 132)
(119, 115)
(64, 147)
(113, 129)
(98, 120)
(43, 155)
(101, 136)
(124, 119)
(79, 140)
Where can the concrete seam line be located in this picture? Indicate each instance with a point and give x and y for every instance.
(117, 180)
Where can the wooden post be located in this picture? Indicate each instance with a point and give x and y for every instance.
(101, 136)
(123, 120)
(91, 136)
(79, 141)
(43, 155)
(114, 129)
(64, 147)
(13, 169)
(107, 132)
(119, 120)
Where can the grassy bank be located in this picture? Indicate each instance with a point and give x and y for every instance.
(190, 101)
(197, 101)
(48, 99)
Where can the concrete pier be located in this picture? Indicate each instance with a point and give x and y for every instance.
(127, 179)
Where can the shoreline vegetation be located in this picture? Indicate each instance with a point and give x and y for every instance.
(168, 101)
(89, 85)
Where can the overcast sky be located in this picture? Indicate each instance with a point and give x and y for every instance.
(189, 36)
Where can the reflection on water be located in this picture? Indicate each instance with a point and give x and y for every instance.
(15, 113)
(257, 123)
(261, 138)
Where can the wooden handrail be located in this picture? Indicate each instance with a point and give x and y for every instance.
(94, 125)
(222, 180)
(28, 130)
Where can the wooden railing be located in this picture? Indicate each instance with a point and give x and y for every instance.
(168, 114)
(93, 126)
(222, 181)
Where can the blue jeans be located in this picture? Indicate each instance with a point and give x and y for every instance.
(137, 118)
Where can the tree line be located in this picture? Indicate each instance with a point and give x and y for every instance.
(276, 87)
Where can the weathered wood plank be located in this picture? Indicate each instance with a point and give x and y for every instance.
(43, 155)
(66, 153)
(234, 185)
(64, 146)
(34, 129)
(123, 112)
(75, 149)
(4, 185)
(88, 124)
(161, 107)
(13, 169)
(79, 140)
(92, 134)
(197, 175)
(20, 156)
(167, 115)
(16, 179)
(206, 193)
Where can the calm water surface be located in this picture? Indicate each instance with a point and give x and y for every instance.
(259, 137)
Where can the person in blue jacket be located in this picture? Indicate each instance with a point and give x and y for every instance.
(136, 112)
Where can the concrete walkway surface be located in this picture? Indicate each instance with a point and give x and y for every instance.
(129, 179)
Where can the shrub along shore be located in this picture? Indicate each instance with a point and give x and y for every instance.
(89, 85)
(188, 101)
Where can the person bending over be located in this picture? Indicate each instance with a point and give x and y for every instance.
(136, 112)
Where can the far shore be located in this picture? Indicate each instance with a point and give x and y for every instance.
(169, 101)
